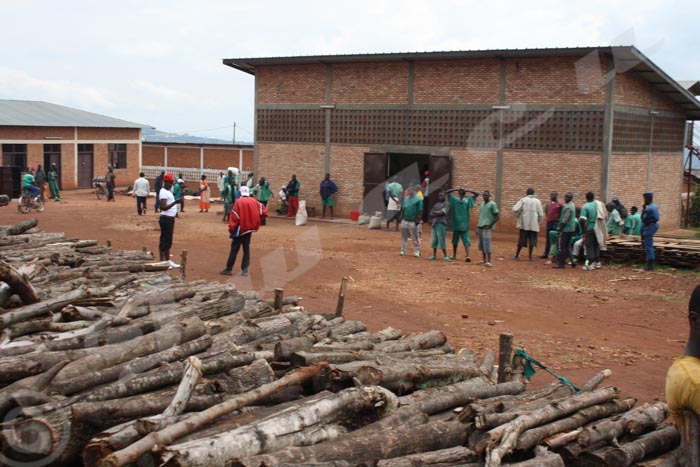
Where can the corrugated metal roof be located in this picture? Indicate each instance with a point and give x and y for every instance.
(627, 58)
(38, 113)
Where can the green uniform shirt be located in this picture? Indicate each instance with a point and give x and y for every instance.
(177, 193)
(637, 228)
(570, 225)
(412, 208)
(395, 190)
(460, 212)
(614, 220)
(589, 211)
(487, 213)
(262, 193)
(27, 180)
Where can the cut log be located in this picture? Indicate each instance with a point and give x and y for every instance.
(317, 355)
(368, 444)
(22, 227)
(652, 443)
(549, 459)
(157, 297)
(436, 400)
(426, 340)
(487, 364)
(177, 430)
(639, 419)
(37, 308)
(594, 382)
(246, 378)
(690, 437)
(530, 438)
(456, 455)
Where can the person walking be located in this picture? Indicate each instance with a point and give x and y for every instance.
(262, 193)
(166, 221)
(650, 219)
(52, 178)
(566, 230)
(204, 192)
(141, 190)
(40, 178)
(159, 185)
(589, 214)
(460, 212)
(327, 189)
(220, 184)
(411, 212)
(438, 217)
(552, 211)
(110, 179)
(229, 194)
(177, 193)
(245, 219)
(488, 216)
(293, 196)
(529, 212)
(393, 209)
(179, 187)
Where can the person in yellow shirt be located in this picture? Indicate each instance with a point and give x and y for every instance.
(683, 378)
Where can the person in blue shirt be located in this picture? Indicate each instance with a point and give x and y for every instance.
(327, 189)
(650, 219)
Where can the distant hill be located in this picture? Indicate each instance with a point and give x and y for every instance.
(150, 135)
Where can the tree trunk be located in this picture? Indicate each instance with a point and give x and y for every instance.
(306, 358)
(22, 227)
(440, 457)
(530, 438)
(653, 443)
(639, 419)
(197, 420)
(435, 400)
(367, 444)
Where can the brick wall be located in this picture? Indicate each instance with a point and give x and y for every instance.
(546, 172)
(456, 82)
(277, 163)
(475, 169)
(108, 134)
(152, 155)
(554, 80)
(291, 84)
(666, 182)
(68, 169)
(35, 155)
(214, 157)
(370, 83)
(347, 171)
(628, 178)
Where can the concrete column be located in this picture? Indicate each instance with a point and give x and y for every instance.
(499, 150)
(201, 158)
(327, 137)
(608, 121)
(165, 157)
(255, 129)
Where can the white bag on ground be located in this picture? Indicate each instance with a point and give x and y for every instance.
(301, 213)
(363, 219)
(375, 222)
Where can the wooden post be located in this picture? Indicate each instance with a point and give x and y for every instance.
(183, 264)
(279, 295)
(505, 352)
(690, 438)
(144, 249)
(109, 243)
(341, 297)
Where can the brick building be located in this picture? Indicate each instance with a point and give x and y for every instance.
(603, 119)
(81, 144)
(196, 155)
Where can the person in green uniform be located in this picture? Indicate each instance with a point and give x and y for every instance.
(177, 194)
(438, 218)
(40, 178)
(261, 192)
(615, 222)
(633, 223)
(488, 216)
(52, 178)
(589, 213)
(411, 211)
(29, 185)
(460, 207)
(394, 192)
(565, 232)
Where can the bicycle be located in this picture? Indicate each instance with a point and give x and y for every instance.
(100, 186)
(27, 203)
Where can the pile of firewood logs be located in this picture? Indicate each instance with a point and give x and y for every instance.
(108, 358)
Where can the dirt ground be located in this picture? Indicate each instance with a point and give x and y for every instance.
(575, 322)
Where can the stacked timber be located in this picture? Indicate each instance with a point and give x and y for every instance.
(672, 251)
(109, 359)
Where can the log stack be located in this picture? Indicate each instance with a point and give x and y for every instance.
(672, 251)
(108, 359)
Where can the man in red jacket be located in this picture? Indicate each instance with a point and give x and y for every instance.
(244, 220)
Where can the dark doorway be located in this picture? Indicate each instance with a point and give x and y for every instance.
(14, 155)
(52, 155)
(85, 161)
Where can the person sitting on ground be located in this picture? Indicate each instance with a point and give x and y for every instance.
(438, 218)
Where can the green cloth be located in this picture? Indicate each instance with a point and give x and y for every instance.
(262, 193)
(554, 241)
(177, 191)
(460, 212)
(487, 213)
(577, 234)
(52, 175)
(327, 202)
(437, 236)
(27, 180)
(412, 208)
(570, 225)
(396, 190)
(614, 221)
(637, 219)
(589, 211)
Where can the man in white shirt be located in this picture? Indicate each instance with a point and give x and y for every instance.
(529, 212)
(168, 210)
(141, 190)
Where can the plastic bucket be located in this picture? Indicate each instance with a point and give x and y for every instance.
(354, 215)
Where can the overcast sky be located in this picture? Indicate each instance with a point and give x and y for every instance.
(158, 62)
